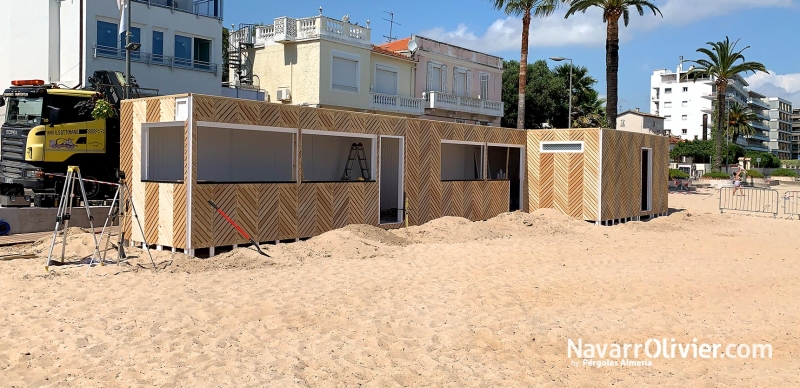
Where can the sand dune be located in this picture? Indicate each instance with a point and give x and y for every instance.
(450, 303)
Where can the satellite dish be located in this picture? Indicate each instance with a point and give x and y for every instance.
(412, 46)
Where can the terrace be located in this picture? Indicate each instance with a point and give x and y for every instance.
(206, 8)
(286, 29)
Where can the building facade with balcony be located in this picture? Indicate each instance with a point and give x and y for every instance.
(687, 105)
(780, 127)
(458, 84)
(323, 62)
(180, 52)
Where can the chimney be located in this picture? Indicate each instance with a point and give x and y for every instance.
(637, 109)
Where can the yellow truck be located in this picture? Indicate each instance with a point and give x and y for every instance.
(45, 131)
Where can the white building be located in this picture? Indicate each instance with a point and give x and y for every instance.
(780, 127)
(65, 41)
(684, 102)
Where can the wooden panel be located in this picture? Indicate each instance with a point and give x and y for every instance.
(135, 175)
(498, 197)
(179, 216)
(564, 181)
(288, 196)
(202, 216)
(151, 211)
(126, 151)
(247, 210)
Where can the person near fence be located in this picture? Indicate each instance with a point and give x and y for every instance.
(737, 180)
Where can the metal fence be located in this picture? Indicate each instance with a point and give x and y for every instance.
(791, 203)
(749, 199)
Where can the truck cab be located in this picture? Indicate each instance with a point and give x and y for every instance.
(44, 132)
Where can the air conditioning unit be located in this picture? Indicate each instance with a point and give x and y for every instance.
(283, 94)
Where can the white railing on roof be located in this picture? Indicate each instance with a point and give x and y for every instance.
(400, 104)
(454, 102)
(288, 30)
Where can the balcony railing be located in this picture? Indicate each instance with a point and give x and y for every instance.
(207, 8)
(155, 59)
(757, 102)
(399, 104)
(285, 29)
(453, 102)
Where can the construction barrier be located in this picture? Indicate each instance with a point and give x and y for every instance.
(791, 203)
(749, 199)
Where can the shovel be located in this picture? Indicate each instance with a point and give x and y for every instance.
(247, 236)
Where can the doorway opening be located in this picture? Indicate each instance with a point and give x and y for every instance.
(647, 179)
(505, 163)
(391, 180)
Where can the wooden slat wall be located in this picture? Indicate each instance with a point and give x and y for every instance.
(622, 174)
(564, 181)
(161, 206)
(296, 210)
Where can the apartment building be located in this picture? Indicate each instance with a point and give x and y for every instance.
(796, 133)
(780, 127)
(684, 101)
(323, 62)
(458, 84)
(67, 41)
(641, 122)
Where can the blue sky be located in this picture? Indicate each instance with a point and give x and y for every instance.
(649, 43)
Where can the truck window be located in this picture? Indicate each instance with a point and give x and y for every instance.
(69, 113)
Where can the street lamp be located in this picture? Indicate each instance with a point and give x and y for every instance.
(559, 59)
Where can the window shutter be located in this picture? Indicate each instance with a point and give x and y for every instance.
(430, 78)
(455, 80)
(444, 79)
(345, 74)
(385, 82)
(469, 83)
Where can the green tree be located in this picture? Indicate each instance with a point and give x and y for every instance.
(526, 8)
(545, 96)
(739, 119)
(225, 46)
(587, 106)
(612, 11)
(722, 63)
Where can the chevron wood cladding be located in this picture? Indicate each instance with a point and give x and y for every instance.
(283, 211)
(564, 181)
(622, 182)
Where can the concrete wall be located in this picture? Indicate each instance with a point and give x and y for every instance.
(329, 96)
(33, 220)
(641, 124)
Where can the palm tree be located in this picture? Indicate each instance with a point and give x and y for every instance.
(612, 11)
(739, 119)
(722, 63)
(582, 83)
(526, 8)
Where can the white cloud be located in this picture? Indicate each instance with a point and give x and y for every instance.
(587, 29)
(777, 85)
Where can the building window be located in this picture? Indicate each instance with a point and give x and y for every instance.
(386, 79)
(106, 38)
(183, 51)
(685, 103)
(685, 89)
(202, 53)
(162, 152)
(668, 104)
(668, 91)
(685, 117)
(158, 46)
(622, 123)
(460, 82)
(667, 118)
(484, 86)
(437, 77)
(344, 73)
(684, 131)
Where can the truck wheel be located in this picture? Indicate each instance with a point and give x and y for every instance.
(94, 190)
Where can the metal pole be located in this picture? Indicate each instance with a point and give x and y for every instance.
(128, 54)
(569, 119)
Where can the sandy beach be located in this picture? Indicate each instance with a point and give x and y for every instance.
(452, 303)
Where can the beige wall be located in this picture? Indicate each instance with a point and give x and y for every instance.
(293, 65)
(641, 124)
(305, 68)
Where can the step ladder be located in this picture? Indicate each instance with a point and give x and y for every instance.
(356, 152)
